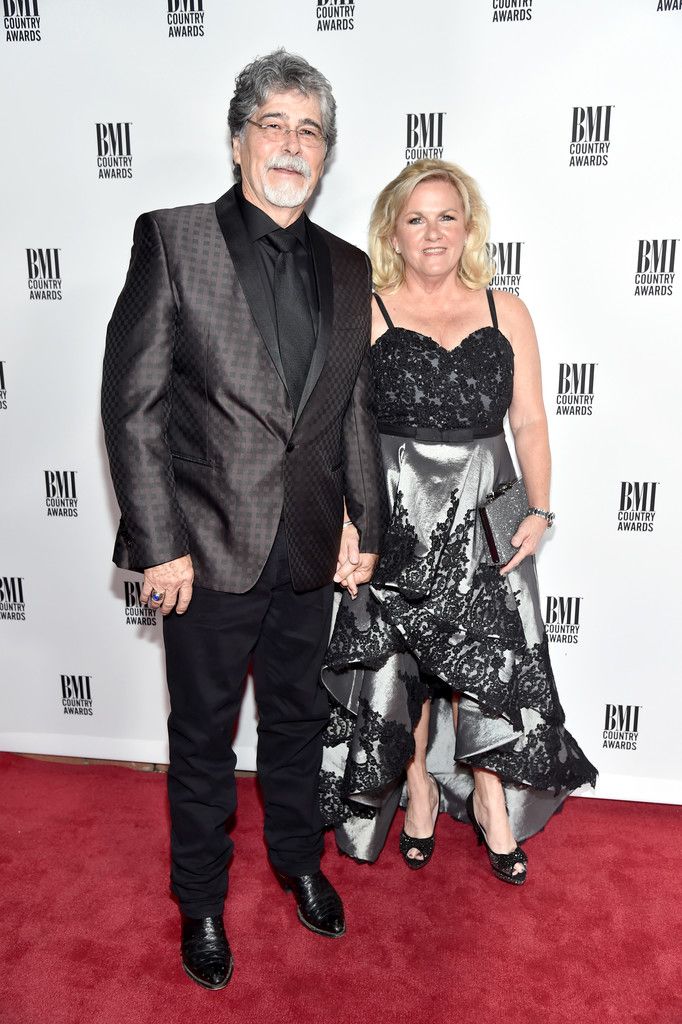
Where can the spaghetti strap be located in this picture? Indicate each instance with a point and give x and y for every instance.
(383, 309)
(491, 303)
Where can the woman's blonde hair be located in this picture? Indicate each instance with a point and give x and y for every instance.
(476, 268)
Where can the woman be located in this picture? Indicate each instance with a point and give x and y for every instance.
(442, 635)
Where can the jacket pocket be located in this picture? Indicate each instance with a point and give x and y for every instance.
(192, 458)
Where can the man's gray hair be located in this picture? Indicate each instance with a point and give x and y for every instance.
(280, 71)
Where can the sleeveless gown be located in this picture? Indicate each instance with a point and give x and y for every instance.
(437, 617)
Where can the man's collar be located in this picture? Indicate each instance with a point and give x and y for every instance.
(258, 223)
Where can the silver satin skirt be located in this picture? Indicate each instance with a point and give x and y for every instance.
(438, 619)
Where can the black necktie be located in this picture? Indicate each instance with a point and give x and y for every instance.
(295, 331)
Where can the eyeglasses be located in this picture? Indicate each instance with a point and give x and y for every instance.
(275, 131)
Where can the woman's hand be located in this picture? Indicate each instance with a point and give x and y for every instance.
(527, 539)
(353, 567)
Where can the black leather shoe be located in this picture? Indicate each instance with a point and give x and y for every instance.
(319, 905)
(206, 954)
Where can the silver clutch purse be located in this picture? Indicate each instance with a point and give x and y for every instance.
(501, 516)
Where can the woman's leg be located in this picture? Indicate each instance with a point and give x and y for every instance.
(422, 793)
(489, 805)
(491, 813)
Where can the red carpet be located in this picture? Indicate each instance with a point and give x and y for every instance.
(90, 935)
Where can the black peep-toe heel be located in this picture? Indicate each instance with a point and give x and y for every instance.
(503, 864)
(423, 846)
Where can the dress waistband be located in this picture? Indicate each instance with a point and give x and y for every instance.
(442, 436)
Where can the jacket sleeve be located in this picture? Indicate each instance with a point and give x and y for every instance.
(136, 404)
(364, 479)
(365, 485)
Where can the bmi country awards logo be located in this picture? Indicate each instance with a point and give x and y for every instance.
(512, 10)
(114, 153)
(669, 5)
(77, 695)
(61, 498)
(562, 619)
(137, 614)
(591, 136)
(3, 387)
(621, 726)
(12, 603)
(575, 393)
(335, 17)
(637, 509)
(507, 257)
(655, 266)
(22, 21)
(185, 18)
(44, 274)
(424, 136)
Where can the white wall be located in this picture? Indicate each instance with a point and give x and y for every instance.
(507, 90)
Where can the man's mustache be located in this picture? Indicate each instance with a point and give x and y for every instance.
(289, 163)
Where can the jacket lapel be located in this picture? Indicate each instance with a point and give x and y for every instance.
(325, 292)
(244, 260)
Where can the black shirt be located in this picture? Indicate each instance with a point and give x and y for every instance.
(258, 225)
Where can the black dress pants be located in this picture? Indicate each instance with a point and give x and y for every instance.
(208, 650)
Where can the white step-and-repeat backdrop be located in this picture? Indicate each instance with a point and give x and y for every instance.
(568, 114)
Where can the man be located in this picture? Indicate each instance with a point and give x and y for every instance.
(236, 405)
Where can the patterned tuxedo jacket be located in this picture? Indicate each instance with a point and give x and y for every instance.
(204, 449)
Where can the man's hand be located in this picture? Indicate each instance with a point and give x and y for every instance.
(353, 568)
(174, 581)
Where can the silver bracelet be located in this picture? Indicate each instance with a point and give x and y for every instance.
(548, 516)
(348, 522)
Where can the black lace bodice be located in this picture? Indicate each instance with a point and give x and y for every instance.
(421, 384)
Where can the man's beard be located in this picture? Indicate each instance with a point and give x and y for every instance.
(288, 194)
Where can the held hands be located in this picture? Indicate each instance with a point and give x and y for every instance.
(527, 539)
(353, 568)
(173, 580)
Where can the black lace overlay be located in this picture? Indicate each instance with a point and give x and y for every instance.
(438, 612)
(399, 546)
(335, 807)
(367, 639)
(546, 758)
(341, 725)
(384, 746)
(424, 385)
